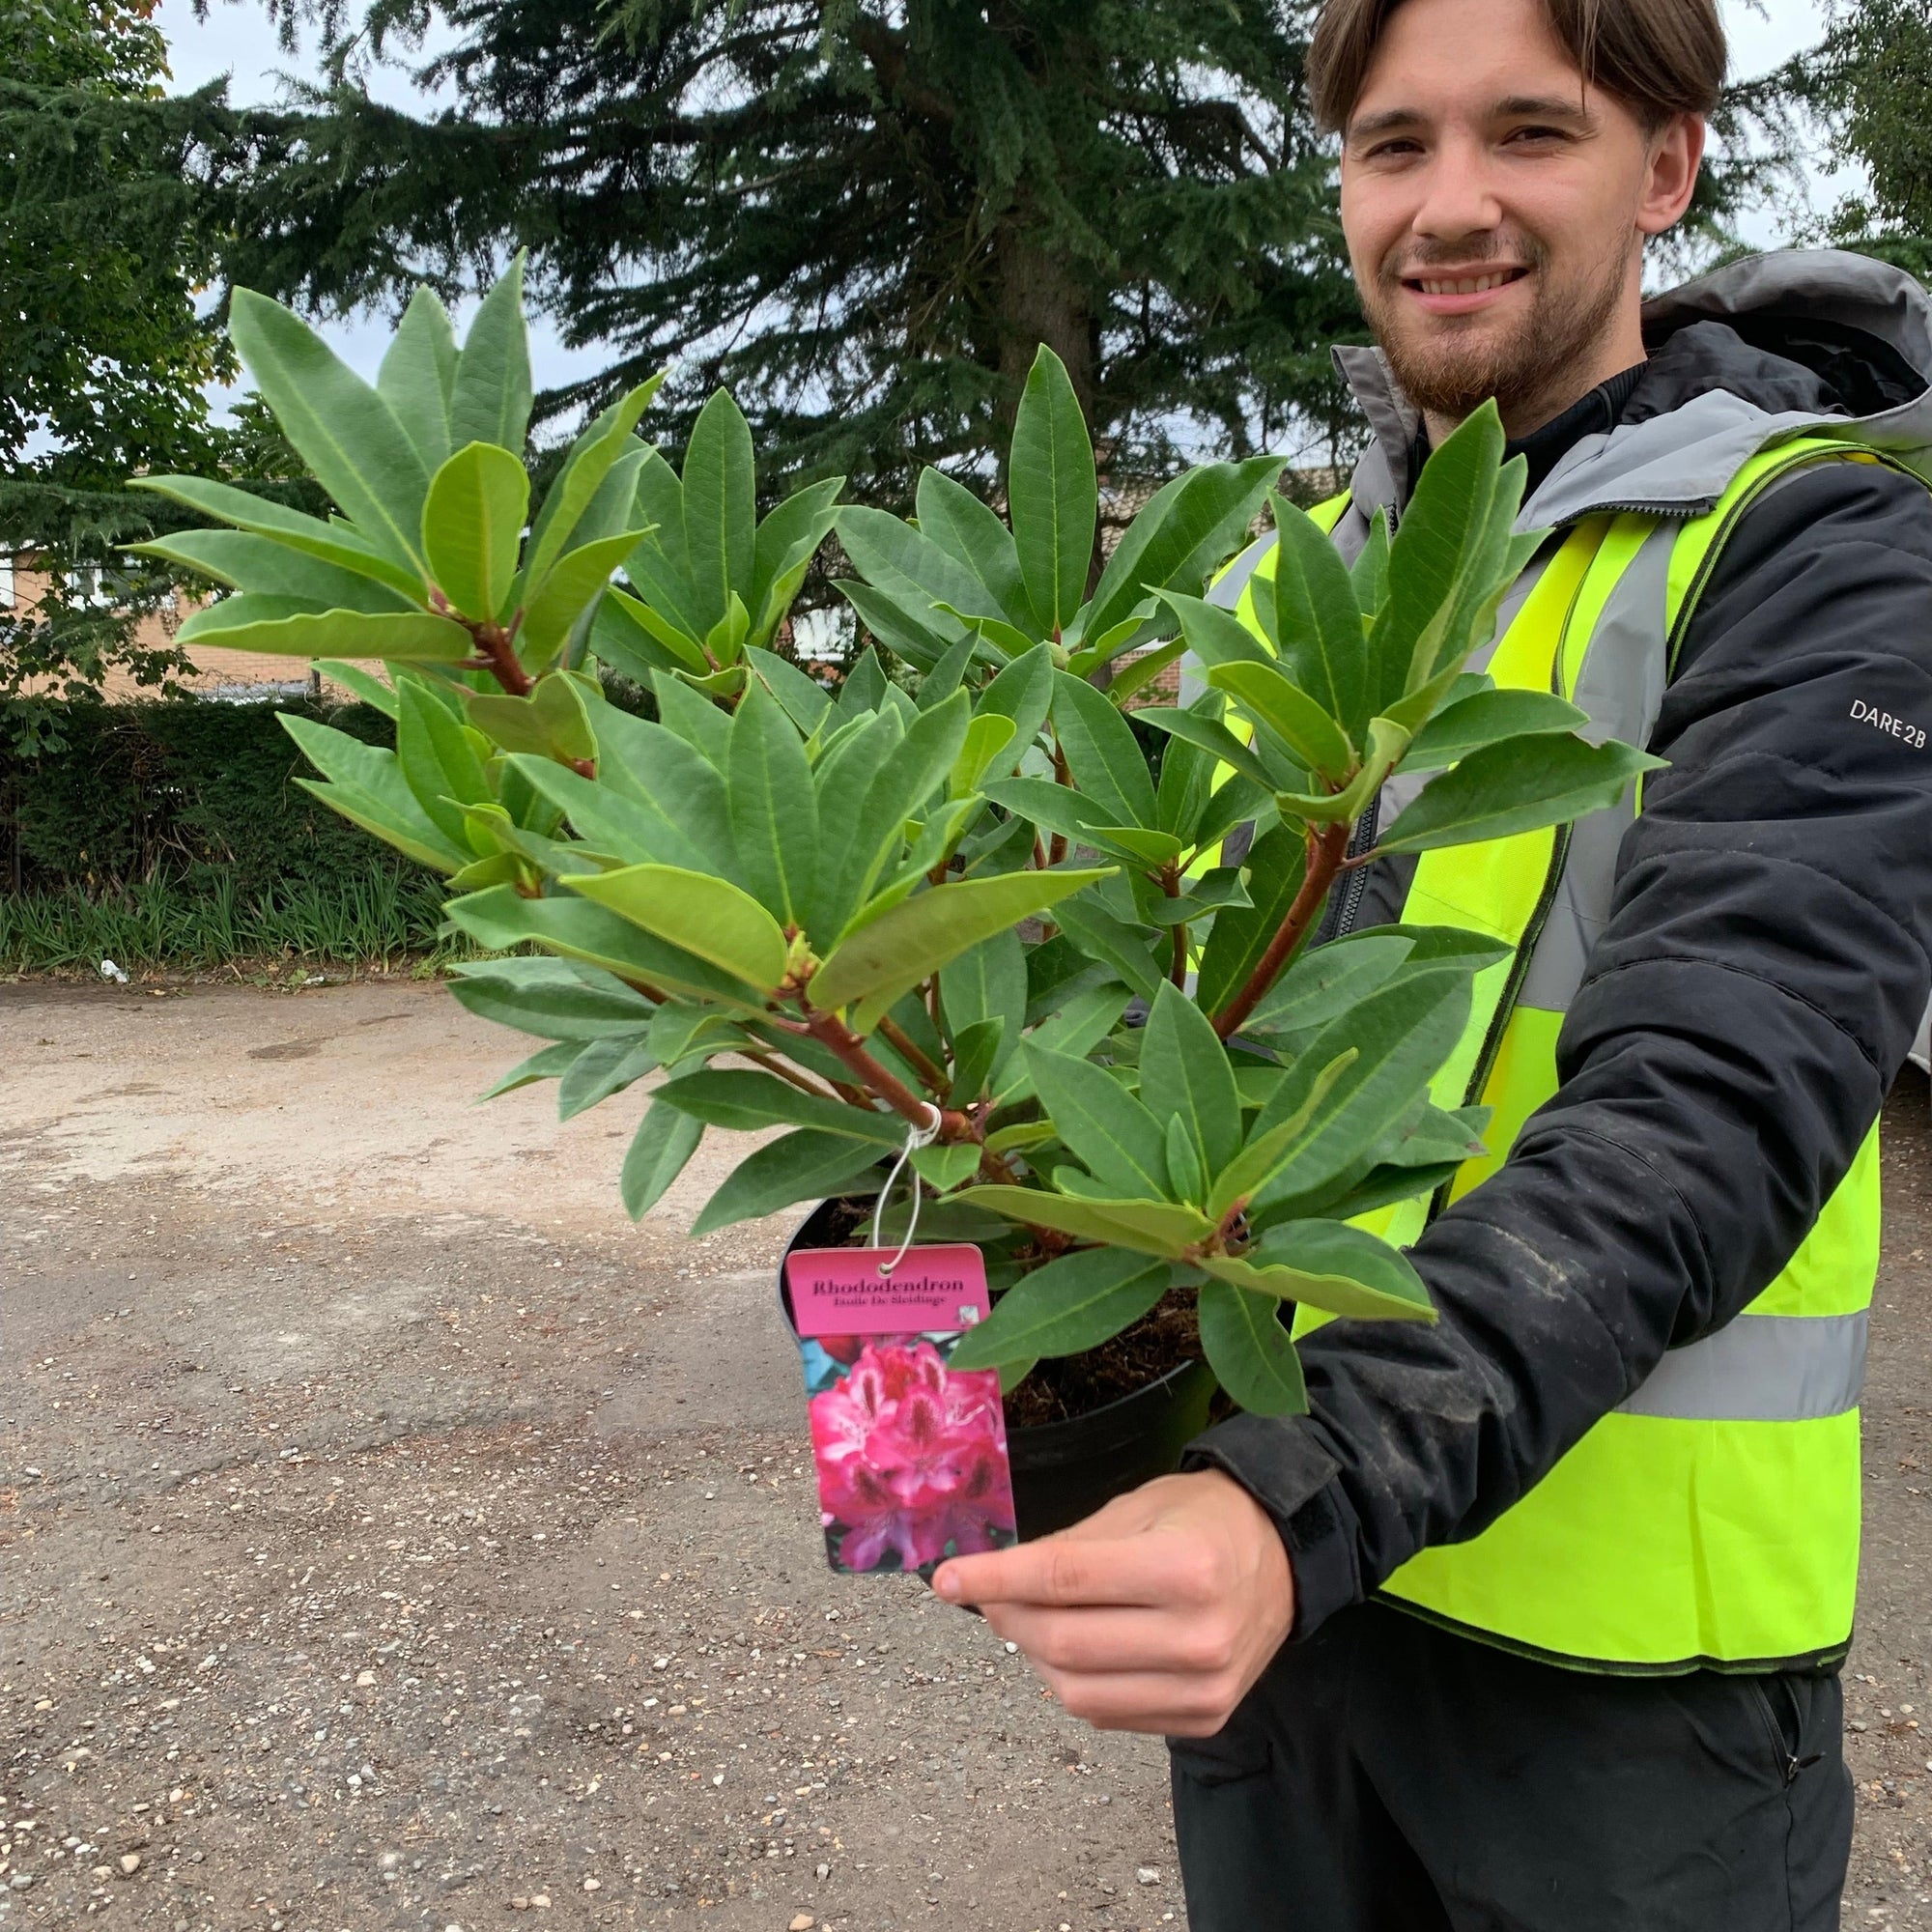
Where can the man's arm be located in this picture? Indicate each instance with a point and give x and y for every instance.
(1745, 1011)
(1762, 973)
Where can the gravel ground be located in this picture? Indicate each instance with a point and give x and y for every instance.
(393, 1536)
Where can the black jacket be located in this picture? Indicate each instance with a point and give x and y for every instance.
(1744, 1013)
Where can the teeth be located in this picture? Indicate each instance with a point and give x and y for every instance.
(1471, 286)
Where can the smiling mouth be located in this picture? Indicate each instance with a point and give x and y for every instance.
(1464, 285)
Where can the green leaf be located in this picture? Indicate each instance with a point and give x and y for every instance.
(1128, 950)
(976, 1050)
(245, 561)
(580, 577)
(680, 1031)
(679, 791)
(1110, 1132)
(706, 916)
(1519, 786)
(787, 542)
(857, 847)
(1291, 714)
(552, 722)
(665, 1142)
(805, 700)
(901, 626)
(1187, 529)
(1066, 1307)
(1081, 1023)
(1327, 981)
(1102, 754)
(636, 642)
(601, 1068)
(406, 637)
(1185, 1174)
(1268, 1151)
(1400, 1035)
(1167, 1229)
(1484, 718)
(700, 723)
(333, 543)
(500, 918)
(1211, 735)
(340, 427)
(1143, 671)
(473, 522)
(744, 1098)
(1369, 573)
(591, 459)
(438, 761)
(1024, 693)
(986, 737)
(1318, 624)
(1216, 636)
(1008, 641)
(549, 1062)
(1185, 1076)
(548, 999)
(912, 570)
(1250, 1351)
(490, 401)
(367, 786)
(803, 1166)
(954, 518)
(892, 953)
(1276, 865)
(367, 688)
(418, 370)
(1054, 808)
(721, 517)
(1053, 493)
(988, 982)
(1330, 1265)
(774, 809)
(945, 1168)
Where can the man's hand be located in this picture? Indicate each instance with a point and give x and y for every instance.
(1157, 1613)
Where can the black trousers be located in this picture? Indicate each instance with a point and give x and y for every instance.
(1388, 1776)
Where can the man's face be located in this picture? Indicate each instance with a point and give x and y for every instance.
(1495, 209)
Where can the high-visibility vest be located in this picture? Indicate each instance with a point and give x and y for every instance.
(1712, 1518)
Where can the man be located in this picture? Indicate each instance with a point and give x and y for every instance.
(1534, 1621)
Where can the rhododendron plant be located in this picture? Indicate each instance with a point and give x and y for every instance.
(974, 897)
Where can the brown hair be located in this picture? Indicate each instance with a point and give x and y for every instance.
(1660, 57)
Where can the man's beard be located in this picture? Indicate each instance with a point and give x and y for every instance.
(1524, 369)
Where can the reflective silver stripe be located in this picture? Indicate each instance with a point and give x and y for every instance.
(1761, 1367)
(1621, 685)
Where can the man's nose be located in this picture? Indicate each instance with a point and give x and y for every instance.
(1459, 198)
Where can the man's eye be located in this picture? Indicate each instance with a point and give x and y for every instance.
(1396, 150)
(1519, 136)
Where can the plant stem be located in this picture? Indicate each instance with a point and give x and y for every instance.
(837, 1037)
(805, 1084)
(492, 643)
(1327, 849)
(934, 1076)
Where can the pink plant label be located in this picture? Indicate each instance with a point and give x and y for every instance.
(842, 1291)
(911, 1454)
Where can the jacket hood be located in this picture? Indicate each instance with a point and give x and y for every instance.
(1772, 347)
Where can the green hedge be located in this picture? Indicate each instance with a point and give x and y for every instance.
(173, 833)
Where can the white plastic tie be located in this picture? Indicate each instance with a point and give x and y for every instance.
(916, 1138)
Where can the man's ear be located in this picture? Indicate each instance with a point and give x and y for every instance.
(1676, 151)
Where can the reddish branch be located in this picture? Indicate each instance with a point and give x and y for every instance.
(837, 1038)
(1327, 850)
(921, 1063)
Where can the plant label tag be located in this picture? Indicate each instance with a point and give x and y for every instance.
(911, 1456)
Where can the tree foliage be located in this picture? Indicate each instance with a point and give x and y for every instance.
(863, 217)
(1870, 81)
(104, 358)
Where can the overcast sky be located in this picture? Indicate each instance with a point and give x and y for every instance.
(236, 40)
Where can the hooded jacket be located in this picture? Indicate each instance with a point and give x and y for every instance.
(1767, 960)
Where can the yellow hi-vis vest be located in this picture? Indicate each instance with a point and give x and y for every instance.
(1712, 1518)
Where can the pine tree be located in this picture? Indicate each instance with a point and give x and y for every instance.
(863, 217)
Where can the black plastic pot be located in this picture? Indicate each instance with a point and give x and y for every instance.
(1065, 1470)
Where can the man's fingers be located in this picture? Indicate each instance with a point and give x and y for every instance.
(1059, 1570)
(1115, 1640)
(1150, 1701)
